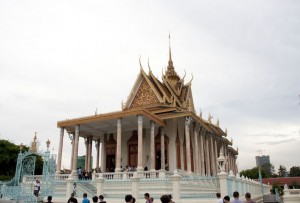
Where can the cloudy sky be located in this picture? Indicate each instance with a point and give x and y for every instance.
(64, 59)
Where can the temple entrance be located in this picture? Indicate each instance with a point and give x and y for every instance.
(132, 144)
(111, 154)
(158, 152)
(110, 163)
(133, 155)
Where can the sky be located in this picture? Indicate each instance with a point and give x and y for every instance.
(64, 59)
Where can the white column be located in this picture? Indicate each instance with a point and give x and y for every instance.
(208, 172)
(140, 143)
(162, 149)
(75, 151)
(90, 153)
(202, 152)
(119, 144)
(98, 153)
(61, 140)
(196, 157)
(212, 157)
(86, 143)
(103, 153)
(72, 137)
(152, 146)
(216, 155)
(188, 144)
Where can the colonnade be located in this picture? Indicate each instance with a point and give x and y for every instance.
(206, 147)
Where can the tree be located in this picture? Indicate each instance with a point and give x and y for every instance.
(8, 158)
(253, 173)
(282, 172)
(294, 171)
(269, 169)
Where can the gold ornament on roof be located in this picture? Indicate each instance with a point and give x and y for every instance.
(209, 118)
(33, 147)
(200, 115)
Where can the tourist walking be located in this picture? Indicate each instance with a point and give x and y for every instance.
(236, 196)
(248, 198)
(36, 188)
(128, 198)
(147, 198)
(165, 199)
(220, 200)
(226, 199)
(49, 199)
(85, 199)
(101, 199)
(95, 199)
(72, 199)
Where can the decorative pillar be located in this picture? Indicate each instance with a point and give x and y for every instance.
(86, 143)
(103, 153)
(61, 140)
(212, 158)
(197, 164)
(216, 154)
(100, 184)
(176, 186)
(188, 143)
(152, 147)
(119, 144)
(140, 143)
(90, 153)
(208, 172)
(202, 152)
(97, 145)
(74, 172)
(72, 138)
(162, 149)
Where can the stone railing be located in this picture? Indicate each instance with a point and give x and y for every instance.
(291, 195)
(31, 178)
(129, 174)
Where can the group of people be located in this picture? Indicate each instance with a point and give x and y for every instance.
(236, 199)
(163, 198)
(83, 174)
(85, 199)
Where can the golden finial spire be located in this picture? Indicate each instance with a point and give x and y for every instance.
(170, 54)
(200, 115)
(209, 118)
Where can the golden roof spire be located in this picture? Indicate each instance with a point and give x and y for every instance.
(170, 73)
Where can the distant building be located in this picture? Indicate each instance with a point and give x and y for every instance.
(261, 160)
(81, 162)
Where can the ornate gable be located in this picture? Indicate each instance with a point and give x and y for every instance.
(144, 96)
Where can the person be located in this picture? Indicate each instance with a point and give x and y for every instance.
(72, 199)
(133, 200)
(248, 198)
(85, 199)
(165, 199)
(36, 188)
(128, 198)
(101, 199)
(171, 201)
(236, 196)
(147, 198)
(226, 199)
(95, 199)
(74, 189)
(49, 199)
(219, 198)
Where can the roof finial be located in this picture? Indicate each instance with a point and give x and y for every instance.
(170, 54)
